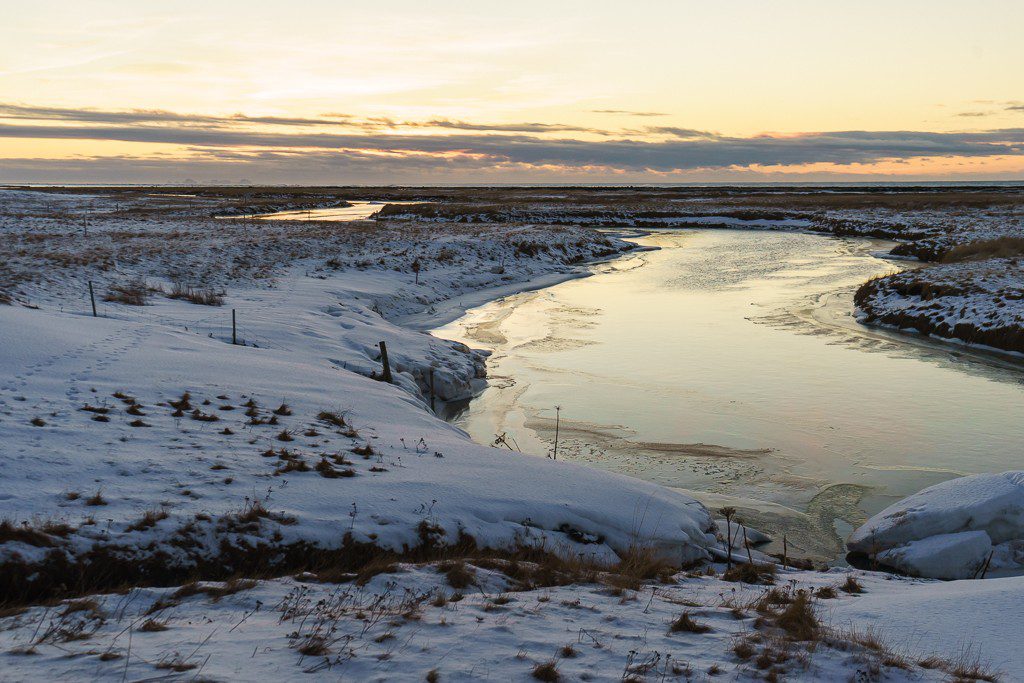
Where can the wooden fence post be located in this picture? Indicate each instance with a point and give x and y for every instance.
(384, 362)
(432, 388)
(92, 298)
(234, 331)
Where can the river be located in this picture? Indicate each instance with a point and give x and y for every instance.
(728, 364)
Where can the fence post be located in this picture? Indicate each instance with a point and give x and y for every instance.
(558, 415)
(234, 332)
(384, 362)
(432, 388)
(92, 298)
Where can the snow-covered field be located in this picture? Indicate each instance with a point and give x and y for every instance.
(411, 621)
(143, 447)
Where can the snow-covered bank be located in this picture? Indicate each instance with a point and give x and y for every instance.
(958, 529)
(477, 622)
(146, 436)
(978, 303)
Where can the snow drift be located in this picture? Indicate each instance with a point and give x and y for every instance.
(951, 530)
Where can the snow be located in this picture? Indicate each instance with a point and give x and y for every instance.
(405, 623)
(310, 341)
(952, 619)
(946, 556)
(948, 530)
(978, 303)
(86, 418)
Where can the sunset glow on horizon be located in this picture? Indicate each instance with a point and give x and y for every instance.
(404, 92)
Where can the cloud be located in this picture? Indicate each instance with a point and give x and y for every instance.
(510, 127)
(626, 112)
(384, 146)
(842, 147)
(154, 116)
(685, 133)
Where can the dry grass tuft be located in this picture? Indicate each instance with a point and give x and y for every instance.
(96, 499)
(313, 646)
(175, 664)
(851, 586)
(214, 592)
(153, 626)
(148, 520)
(335, 419)
(758, 574)
(458, 574)
(686, 624)
(798, 619)
(133, 293)
(202, 297)
(88, 605)
(547, 671)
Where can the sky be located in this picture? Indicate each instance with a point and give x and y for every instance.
(447, 91)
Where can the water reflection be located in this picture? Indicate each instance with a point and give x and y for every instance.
(728, 364)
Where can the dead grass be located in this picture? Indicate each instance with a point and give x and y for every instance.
(23, 533)
(334, 419)
(851, 585)
(798, 619)
(132, 293)
(1000, 247)
(753, 573)
(313, 646)
(148, 520)
(743, 649)
(458, 574)
(214, 591)
(175, 664)
(202, 297)
(88, 605)
(685, 623)
(547, 671)
(153, 626)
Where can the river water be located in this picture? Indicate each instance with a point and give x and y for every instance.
(728, 364)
